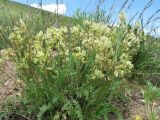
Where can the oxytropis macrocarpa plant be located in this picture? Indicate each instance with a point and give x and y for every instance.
(114, 47)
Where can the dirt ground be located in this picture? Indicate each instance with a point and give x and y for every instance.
(9, 88)
(137, 107)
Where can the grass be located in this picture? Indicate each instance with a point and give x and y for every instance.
(12, 12)
(88, 74)
(35, 19)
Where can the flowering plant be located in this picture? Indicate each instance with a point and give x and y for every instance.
(114, 47)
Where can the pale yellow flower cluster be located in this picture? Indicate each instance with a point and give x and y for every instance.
(6, 54)
(114, 46)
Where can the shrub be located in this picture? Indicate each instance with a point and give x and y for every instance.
(75, 72)
(114, 47)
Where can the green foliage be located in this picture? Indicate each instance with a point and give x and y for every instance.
(35, 19)
(72, 94)
(152, 93)
(2, 114)
(73, 73)
(99, 15)
(114, 47)
(147, 64)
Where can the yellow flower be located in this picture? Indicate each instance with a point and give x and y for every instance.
(39, 35)
(138, 117)
(137, 25)
(1, 61)
(97, 74)
(122, 17)
(82, 40)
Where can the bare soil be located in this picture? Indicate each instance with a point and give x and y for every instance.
(9, 89)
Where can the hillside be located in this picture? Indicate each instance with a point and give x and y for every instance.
(10, 12)
(35, 19)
